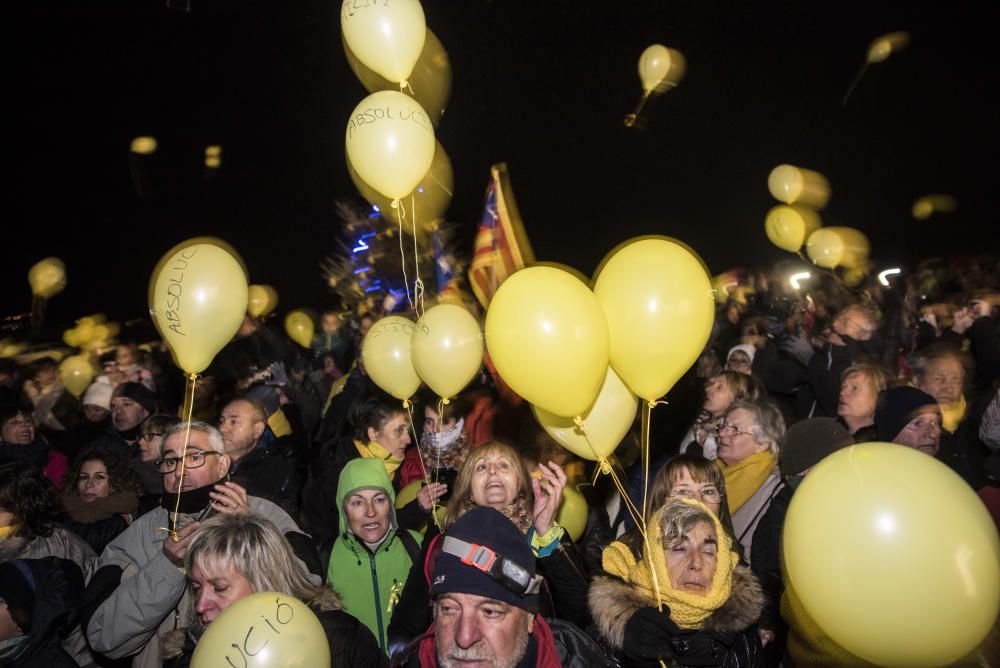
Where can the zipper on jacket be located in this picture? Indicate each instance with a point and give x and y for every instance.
(378, 602)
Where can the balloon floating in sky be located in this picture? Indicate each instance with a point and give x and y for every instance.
(387, 38)
(660, 69)
(831, 247)
(879, 51)
(796, 185)
(788, 226)
(928, 205)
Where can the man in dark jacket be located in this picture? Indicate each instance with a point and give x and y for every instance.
(485, 593)
(131, 404)
(255, 466)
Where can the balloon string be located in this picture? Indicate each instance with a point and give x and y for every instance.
(857, 80)
(189, 400)
(630, 119)
(420, 457)
(402, 253)
(418, 285)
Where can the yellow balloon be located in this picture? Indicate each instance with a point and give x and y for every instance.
(930, 204)
(430, 80)
(300, 328)
(605, 424)
(387, 37)
(72, 338)
(882, 47)
(788, 227)
(796, 185)
(47, 277)
(659, 303)
(426, 204)
(386, 354)
(261, 300)
(264, 630)
(198, 298)
(447, 349)
(831, 247)
(548, 339)
(572, 513)
(894, 556)
(390, 142)
(660, 68)
(76, 374)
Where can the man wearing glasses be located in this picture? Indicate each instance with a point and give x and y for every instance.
(139, 591)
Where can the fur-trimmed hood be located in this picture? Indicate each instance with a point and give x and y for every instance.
(613, 602)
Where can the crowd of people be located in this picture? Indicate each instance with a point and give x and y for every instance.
(427, 534)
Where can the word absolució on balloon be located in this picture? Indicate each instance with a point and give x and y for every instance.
(256, 640)
(368, 116)
(175, 289)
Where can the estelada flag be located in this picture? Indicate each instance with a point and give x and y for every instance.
(502, 245)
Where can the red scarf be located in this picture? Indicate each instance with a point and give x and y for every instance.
(548, 657)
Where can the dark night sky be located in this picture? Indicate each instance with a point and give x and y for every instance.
(543, 86)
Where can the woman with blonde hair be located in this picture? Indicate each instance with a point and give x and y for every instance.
(859, 387)
(493, 475)
(234, 555)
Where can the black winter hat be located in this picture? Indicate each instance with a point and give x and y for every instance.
(809, 441)
(896, 407)
(138, 393)
(484, 527)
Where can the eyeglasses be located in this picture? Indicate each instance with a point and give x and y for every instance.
(192, 460)
(149, 435)
(709, 493)
(725, 426)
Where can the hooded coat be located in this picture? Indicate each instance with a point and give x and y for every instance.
(727, 638)
(370, 582)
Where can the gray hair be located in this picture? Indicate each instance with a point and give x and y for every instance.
(215, 441)
(679, 519)
(256, 549)
(768, 426)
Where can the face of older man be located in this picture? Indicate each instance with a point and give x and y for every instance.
(923, 431)
(241, 427)
(126, 413)
(942, 379)
(204, 467)
(473, 630)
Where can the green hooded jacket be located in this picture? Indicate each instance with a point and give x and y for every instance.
(369, 584)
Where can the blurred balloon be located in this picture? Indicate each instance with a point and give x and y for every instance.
(426, 204)
(447, 349)
(387, 38)
(660, 68)
(300, 328)
(11, 348)
(548, 339)
(658, 300)
(198, 299)
(606, 422)
(430, 80)
(386, 354)
(291, 633)
(390, 143)
(796, 185)
(882, 47)
(724, 286)
(76, 374)
(831, 247)
(788, 227)
(894, 556)
(261, 300)
(47, 277)
(927, 205)
(572, 513)
(143, 145)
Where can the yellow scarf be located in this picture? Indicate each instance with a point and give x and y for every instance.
(375, 451)
(744, 478)
(9, 530)
(953, 414)
(687, 610)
